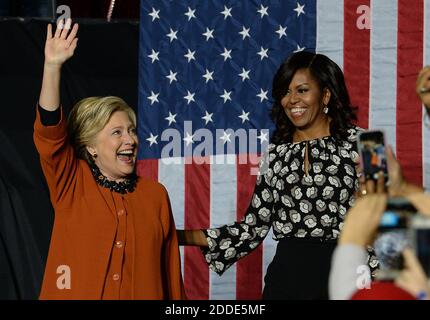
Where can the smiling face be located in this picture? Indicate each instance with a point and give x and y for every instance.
(116, 147)
(304, 101)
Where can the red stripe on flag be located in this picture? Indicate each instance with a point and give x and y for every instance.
(357, 59)
(197, 216)
(409, 108)
(249, 269)
(147, 168)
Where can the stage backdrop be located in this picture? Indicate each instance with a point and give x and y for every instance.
(105, 63)
(212, 63)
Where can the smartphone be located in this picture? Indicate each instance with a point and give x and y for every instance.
(371, 147)
(395, 233)
(397, 215)
(420, 241)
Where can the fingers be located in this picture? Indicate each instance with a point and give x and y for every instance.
(423, 70)
(370, 186)
(380, 204)
(421, 201)
(363, 189)
(60, 26)
(68, 23)
(71, 37)
(49, 32)
(380, 183)
(423, 81)
(392, 163)
(410, 260)
(65, 30)
(391, 159)
(73, 45)
(422, 74)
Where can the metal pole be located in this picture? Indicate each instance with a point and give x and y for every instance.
(54, 9)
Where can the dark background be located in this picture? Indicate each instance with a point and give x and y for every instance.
(105, 63)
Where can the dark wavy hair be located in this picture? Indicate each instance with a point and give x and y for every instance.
(328, 75)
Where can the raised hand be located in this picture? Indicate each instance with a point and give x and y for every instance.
(413, 278)
(423, 86)
(362, 220)
(60, 47)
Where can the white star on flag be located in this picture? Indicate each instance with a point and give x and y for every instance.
(152, 139)
(245, 33)
(189, 97)
(244, 116)
(226, 96)
(154, 14)
(262, 137)
(263, 53)
(281, 31)
(153, 97)
(226, 54)
(300, 9)
(244, 74)
(299, 49)
(188, 139)
(262, 95)
(172, 35)
(263, 11)
(226, 137)
(190, 14)
(208, 75)
(190, 55)
(208, 34)
(172, 76)
(154, 55)
(171, 118)
(208, 117)
(226, 12)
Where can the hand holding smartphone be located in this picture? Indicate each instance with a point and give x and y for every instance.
(401, 227)
(371, 147)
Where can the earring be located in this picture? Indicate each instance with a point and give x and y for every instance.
(325, 109)
(94, 155)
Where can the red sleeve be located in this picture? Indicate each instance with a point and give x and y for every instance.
(57, 158)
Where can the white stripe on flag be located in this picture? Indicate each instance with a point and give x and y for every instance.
(330, 19)
(426, 131)
(171, 173)
(269, 250)
(223, 211)
(383, 70)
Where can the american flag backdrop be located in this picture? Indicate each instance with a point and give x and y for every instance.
(205, 76)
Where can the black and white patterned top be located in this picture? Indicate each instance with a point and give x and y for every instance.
(292, 203)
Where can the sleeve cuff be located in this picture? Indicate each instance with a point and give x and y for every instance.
(49, 118)
(54, 132)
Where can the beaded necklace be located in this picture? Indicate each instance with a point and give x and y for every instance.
(121, 187)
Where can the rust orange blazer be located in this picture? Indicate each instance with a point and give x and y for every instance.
(86, 229)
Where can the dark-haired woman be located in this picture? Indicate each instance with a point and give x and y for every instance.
(306, 183)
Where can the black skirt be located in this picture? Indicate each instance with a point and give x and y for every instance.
(299, 270)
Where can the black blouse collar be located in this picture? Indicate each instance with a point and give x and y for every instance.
(120, 187)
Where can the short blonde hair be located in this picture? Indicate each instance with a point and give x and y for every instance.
(89, 116)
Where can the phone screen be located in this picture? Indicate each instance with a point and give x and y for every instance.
(394, 235)
(371, 147)
(397, 214)
(422, 248)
